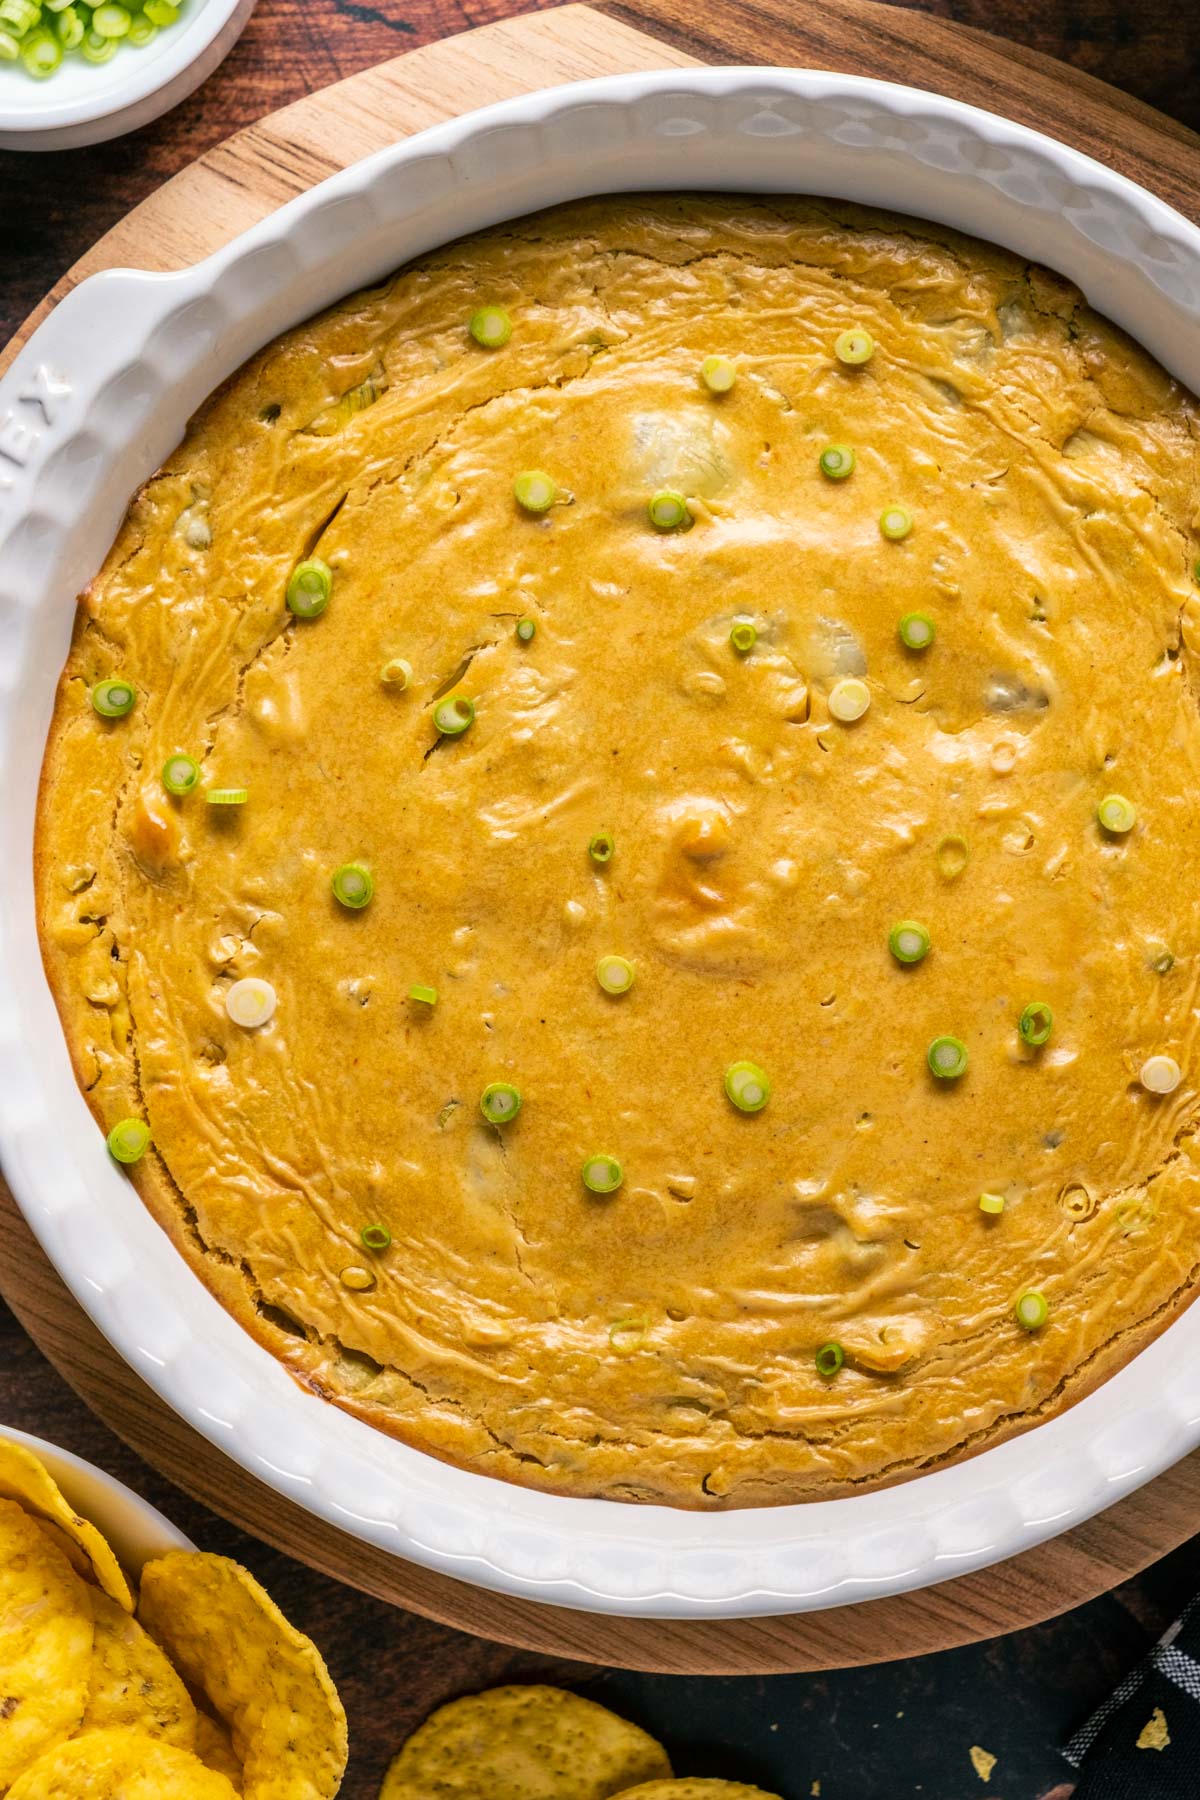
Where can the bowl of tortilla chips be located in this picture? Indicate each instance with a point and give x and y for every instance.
(134, 1665)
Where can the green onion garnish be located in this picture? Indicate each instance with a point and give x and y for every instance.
(426, 995)
(952, 855)
(227, 796)
(142, 31)
(947, 1058)
(895, 522)
(180, 774)
(309, 587)
(668, 510)
(829, 1359)
(627, 1336)
(251, 1001)
(854, 346)
(375, 1237)
(534, 491)
(1035, 1023)
(747, 1086)
(97, 49)
(908, 941)
(70, 27)
(163, 12)
(601, 847)
(129, 1140)
(1031, 1310)
(526, 630)
(1161, 1075)
(113, 699)
(718, 374)
(743, 637)
(111, 21)
(1116, 814)
(41, 53)
(396, 673)
(453, 715)
(500, 1102)
(991, 1203)
(615, 974)
(836, 461)
(917, 631)
(491, 327)
(602, 1174)
(849, 699)
(352, 885)
(1163, 961)
(10, 48)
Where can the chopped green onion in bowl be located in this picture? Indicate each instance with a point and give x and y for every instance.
(854, 347)
(96, 48)
(836, 461)
(747, 1086)
(353, 885)
(454, 714)
(916, 631)
(114, 698)
(180, 774)
(500, 1102)
(309, 587)
(491, 327)
(129, 1140)
(602, 1174)
(40, 34)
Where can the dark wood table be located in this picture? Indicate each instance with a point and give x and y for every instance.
(894, 1731)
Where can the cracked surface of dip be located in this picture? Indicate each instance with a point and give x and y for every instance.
(660, 1340)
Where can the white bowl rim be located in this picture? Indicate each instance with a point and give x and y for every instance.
(186, 43)
(135, 1528)
(593, 1554)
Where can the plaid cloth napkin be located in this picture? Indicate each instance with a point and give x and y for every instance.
(1144, 1742)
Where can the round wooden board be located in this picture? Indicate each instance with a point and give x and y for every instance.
(201, 208)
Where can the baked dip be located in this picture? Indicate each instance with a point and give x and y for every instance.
(614, 850)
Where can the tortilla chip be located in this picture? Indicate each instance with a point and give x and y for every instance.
(45, 1643)
(119, 1765)
(214, 1747)
(691, 1788)
(24, 1478)
(523, 1743)
(262, 1677)
(132, 1684)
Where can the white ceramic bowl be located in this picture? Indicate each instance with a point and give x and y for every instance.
(136, 1530)
(92, 406)
(83, 103)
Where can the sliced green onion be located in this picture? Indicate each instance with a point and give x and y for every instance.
(97, 49)
(19, 16)
(895, 522)
(129, 1140)
(180, 774)
(500, 1102)
(952, 854)
(396, 673)
(1117, 814)
(991, 1203)
(111, 20)
(830, 1358)
(668, 510)
(916, 631)
(526, 630)
(601, 847)
(41, 53)
(142, 31)
(454, 714)
(854, 347)
(113, 699)
(836, 461)
(491, 327)
(10, 48)
(163, 12)
(602, 1174)
(1161, 1075)
(947, 1058)
(747, 1086)
(908, 941)
(743, 637)
(1031, 1310)
(251, 1002)
(1163, 961)
(70, 28)
(1036, 1023)
(375, 1237)
(353, 885)
(849, 699)
(227, 796)
(535, 491)
(627, 1336)
(615, 974)
(426, 995)
(718, 374)
(309, 588)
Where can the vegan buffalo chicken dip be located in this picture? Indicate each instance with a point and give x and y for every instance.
(615, 849)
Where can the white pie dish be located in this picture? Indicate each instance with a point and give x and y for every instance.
(136, 1530)
(94, 403)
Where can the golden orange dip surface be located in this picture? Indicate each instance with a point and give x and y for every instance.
(660, 1342)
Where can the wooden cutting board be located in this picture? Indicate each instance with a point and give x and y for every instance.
(230, 188)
